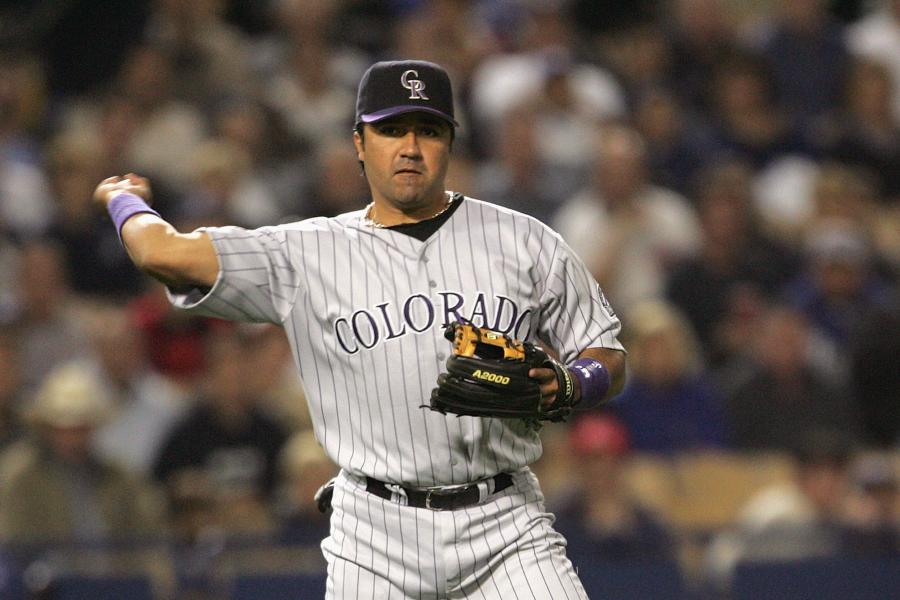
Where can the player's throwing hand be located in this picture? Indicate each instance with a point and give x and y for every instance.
(111, 187)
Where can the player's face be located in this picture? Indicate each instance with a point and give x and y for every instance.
(406, 160)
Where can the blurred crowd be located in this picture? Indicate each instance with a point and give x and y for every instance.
(729, 170)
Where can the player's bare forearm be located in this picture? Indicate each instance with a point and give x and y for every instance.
(176, 259)
(155, 246)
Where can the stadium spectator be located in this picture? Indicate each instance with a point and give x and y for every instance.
(669, 404)
(331, 191)
(601, 520)
(629, 231)
(11, 400)
(210, 57)
(25, 203)
(158, 133)
(517, 176)
(640, 55)
(55, 489)
(44, 318)
(271, 377)
(223, 189)
(734, 252)
(837, 286)
(804, 46)
(679, 145)
(563, 139)
(877, 36)
(863, 130)
(309, 75)
(875, 378)
(145, 404)
(847, 194)
(786, 390)
(465, 37)
(794, 520)
(175, 343)
(748, 122)
(702, 32)
(731, 353)
(279, 161)
(74, 160)
(872, 516)
(503, 80)
(304, 468)
(843, 193)
(225, 436)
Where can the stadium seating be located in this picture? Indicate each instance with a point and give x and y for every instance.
(282, 586)
(83, 587)
(633, 581)
(820, 579)
(714, 486)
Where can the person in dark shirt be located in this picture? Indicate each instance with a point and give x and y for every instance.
(863, 131)
(226, 435)
(782, 393)
(734, 253)
(670, 403)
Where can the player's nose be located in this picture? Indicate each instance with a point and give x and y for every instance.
(410, 145)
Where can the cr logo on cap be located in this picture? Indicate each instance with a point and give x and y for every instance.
(416, 87)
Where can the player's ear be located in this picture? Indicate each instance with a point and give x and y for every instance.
(359, 142)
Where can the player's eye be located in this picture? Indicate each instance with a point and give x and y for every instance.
(429, 131)
(390, 130)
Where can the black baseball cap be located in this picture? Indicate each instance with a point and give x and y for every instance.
(391, 88)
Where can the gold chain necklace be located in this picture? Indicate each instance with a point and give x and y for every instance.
(373, 223)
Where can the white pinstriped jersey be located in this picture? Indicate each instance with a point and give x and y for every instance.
(364, 310)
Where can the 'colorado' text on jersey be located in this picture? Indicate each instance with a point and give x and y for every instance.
(417, 313)
(364, 310)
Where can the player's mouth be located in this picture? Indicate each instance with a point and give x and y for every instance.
(407, 172)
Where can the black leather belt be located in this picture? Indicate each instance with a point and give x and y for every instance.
(446, 498)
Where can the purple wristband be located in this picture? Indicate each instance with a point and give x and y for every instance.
(594, 380)
(124, 206)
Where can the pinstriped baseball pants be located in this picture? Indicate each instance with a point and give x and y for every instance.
(504, 547)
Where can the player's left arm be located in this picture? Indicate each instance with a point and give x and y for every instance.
(612, 360)
(578, 322)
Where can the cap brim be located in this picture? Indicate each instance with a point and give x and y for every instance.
(399, 110)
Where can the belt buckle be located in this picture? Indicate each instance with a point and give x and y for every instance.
(447, 490)
(429, 494)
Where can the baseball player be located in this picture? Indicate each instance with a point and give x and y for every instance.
(427, 504)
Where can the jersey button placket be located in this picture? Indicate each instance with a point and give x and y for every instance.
(425, 271)
(432, 284)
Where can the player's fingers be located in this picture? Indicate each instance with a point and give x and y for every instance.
(548, 394)
(142, 183)
(104, 187)
(541, 374)
(547, 381)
